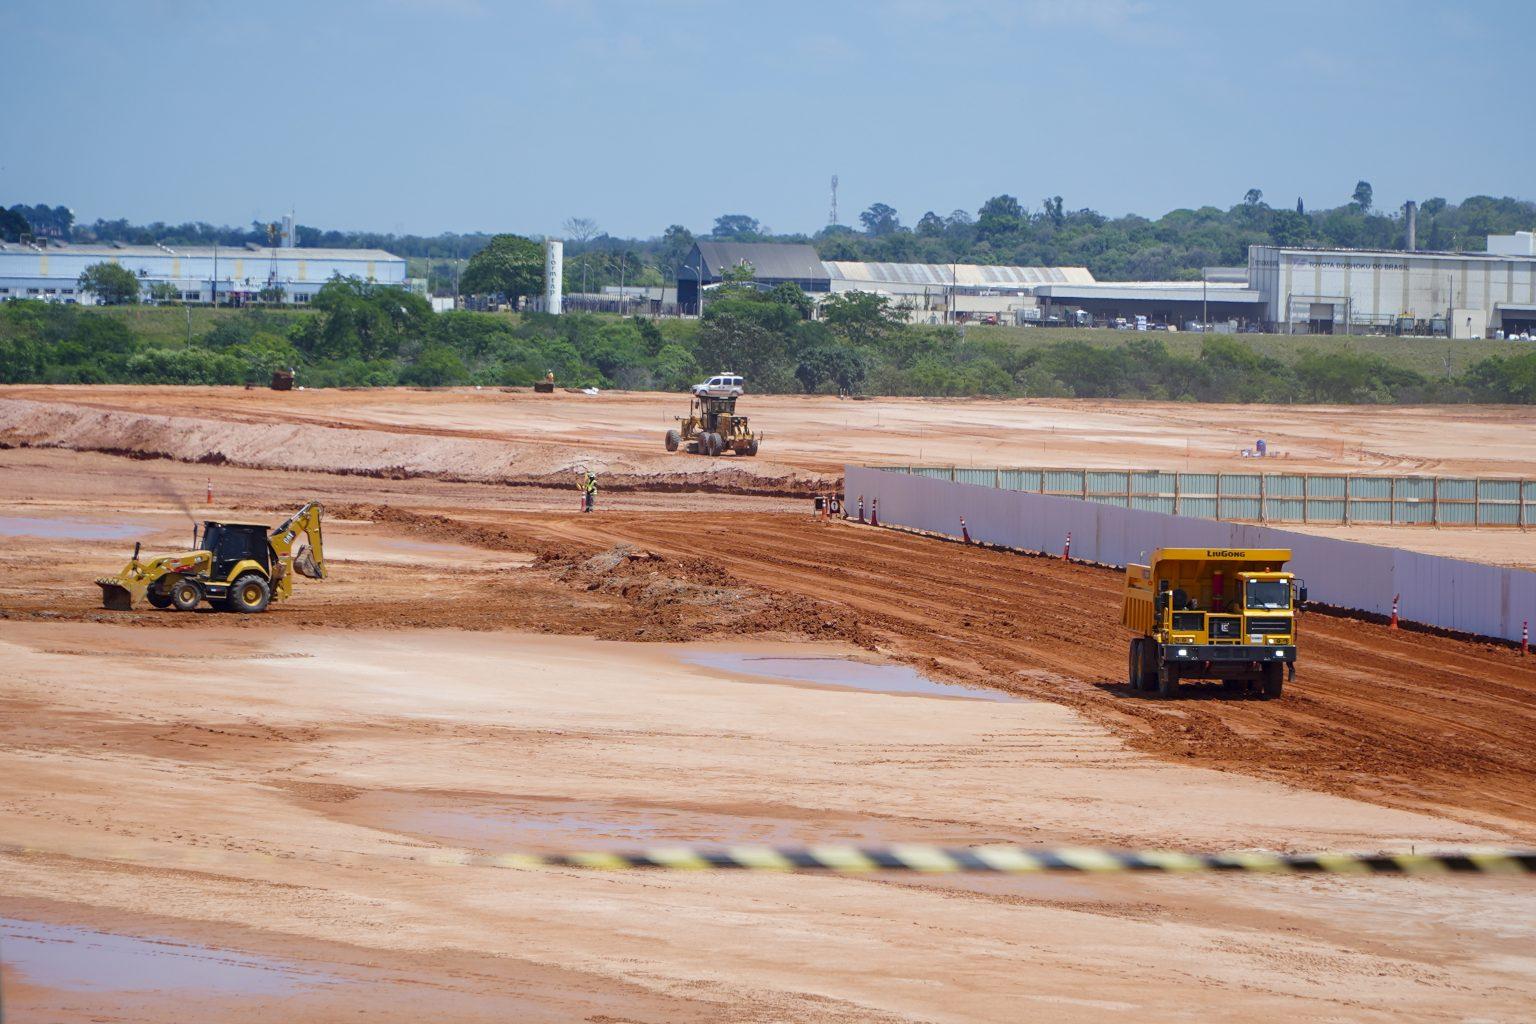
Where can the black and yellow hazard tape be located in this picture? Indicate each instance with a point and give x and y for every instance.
(1013, 860)
(853, 860)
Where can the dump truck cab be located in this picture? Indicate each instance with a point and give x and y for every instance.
(1212, 613)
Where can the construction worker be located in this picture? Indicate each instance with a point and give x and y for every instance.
(589, 489)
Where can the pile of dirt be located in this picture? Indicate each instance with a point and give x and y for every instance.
(385, 454)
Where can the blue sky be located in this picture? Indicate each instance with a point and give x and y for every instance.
(432, 115)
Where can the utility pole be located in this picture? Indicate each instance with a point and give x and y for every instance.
(215, 274)
(1205, 306)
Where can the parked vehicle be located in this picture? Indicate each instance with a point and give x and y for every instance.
(722, 385)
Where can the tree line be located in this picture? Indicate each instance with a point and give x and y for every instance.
(1003, 229)
(360, 335)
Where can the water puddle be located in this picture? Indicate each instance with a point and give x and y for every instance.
(843, 673)
(83, 960)
(66, 529)
(496, 824)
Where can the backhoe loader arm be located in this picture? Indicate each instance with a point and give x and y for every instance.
(307, 521)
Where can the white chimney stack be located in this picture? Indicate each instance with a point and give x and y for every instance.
(554, 266)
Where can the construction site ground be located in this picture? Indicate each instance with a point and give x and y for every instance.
(251, 817)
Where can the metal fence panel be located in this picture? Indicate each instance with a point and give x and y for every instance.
(1481, 599)
(1499, 515)
(1204, 508)
(1377, 487)
(980, 477)
(1498, 490)
(1458, 513)
(1239, 485)
(1325, 486)
(1284, 485)
(1102, 481)
(1457, 489)
(1158, 483)
(1370, 511)
(1200, 484)
(1063, 481)
(1020, 479)
(1420, 487)
(1151, 504)
(935, 472)
(1237, 508)
(1285, 510)
(1414, 513)
(1325, 511)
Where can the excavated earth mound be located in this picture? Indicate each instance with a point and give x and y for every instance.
(383, 453)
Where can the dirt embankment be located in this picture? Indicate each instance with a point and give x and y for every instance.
(384, 453)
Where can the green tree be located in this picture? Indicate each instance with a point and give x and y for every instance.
(1362, 195)
(736, 227)
(999, 218)
(509, 265)
(112, 284)
(880, 219)
(13, 224)
(163, 293)
(930, 225)
(861, 318)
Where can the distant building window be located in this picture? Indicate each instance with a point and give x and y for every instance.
(301, 298)
(32, 291)
(192, 296)
(47, 291)
(68, 291)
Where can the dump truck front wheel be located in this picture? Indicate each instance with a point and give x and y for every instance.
(158, 598)
(1167, 680)
(673, 440)
(184, 595)
(1273, 681)
(249, 593)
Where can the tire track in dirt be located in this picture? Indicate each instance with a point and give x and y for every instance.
(1395, 717)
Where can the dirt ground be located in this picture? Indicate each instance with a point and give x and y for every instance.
(253, 817)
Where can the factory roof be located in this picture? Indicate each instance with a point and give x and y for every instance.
(960, 275)
(109, 251)
(769, 260)
(1148, 291)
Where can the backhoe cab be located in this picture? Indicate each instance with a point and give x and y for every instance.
(239, 567)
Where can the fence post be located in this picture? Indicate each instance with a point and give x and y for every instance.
(1130, 475)
(1434, 503)
(1392, 501)
(1477, 502)
(997, 479)
(1263, 495)
(951, 474)
(1085, 484)
(1520, 509)
(1177, 502)
(1346, 499)
(1306, 498)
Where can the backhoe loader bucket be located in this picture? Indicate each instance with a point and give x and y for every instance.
(304, 565)
(114, 595)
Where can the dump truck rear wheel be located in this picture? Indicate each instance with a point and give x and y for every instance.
(158, 599)
(185, 595)
(1133, 676)
(249, 593)
(1167, 680)
(673, 440)
(1273, 681)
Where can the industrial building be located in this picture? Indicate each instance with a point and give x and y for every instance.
(1291, 290)
(1464, 295)
(51, 272)
(772, 263)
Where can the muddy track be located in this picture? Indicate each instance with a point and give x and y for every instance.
(1405, 719)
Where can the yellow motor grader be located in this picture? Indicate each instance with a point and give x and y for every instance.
(713, 428)
(239, 567)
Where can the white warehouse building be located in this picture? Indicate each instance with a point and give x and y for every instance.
(1465, 295)
(51, 272)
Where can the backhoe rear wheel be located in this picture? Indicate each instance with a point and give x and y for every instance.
(249, 593)
(185, 595)
(158, 598)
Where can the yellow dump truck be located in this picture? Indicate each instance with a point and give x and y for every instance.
(1212, 613)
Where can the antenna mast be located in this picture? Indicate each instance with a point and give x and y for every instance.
(833, 218)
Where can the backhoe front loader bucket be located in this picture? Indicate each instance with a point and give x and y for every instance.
(115, 594)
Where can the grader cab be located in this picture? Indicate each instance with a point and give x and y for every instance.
(713, 428)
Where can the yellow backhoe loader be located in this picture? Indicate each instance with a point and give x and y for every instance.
(239, 567)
